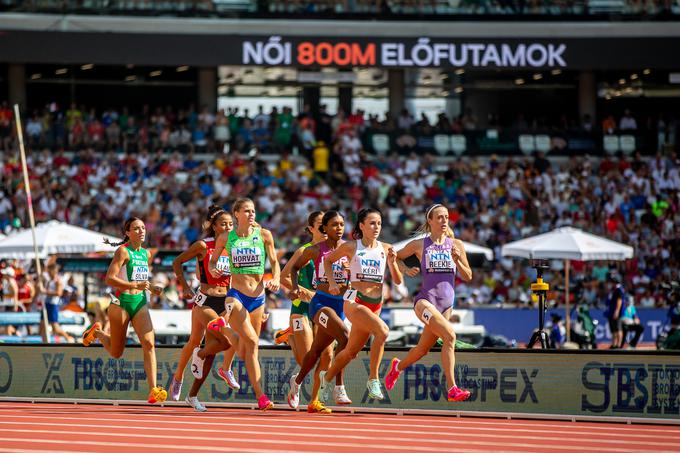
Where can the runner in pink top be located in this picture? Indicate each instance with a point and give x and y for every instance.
(440, 255)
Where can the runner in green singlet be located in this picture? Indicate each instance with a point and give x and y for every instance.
(129, 273)
(248, 246)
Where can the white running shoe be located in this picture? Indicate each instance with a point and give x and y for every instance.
(374, 390)
(340, 395)
(325, 388)
(193, 402)
(228, 377)
(197, 364)
(294, 393)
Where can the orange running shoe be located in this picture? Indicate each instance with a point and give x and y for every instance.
(88, 335)
(157, 395)
(282, 336)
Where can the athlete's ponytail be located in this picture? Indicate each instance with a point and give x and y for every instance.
(126, 228)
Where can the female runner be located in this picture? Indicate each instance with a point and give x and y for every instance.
(362, 304)
(325, 310)
(129, 273)
(301, 331)
(208, 303)
(247, 247)
(440, 255)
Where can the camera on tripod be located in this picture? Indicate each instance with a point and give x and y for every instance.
(540, 288)
(540, 266)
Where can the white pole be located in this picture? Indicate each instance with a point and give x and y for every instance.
(29, 200)
(567, 315)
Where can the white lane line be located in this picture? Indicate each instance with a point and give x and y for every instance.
(310, 443)
(372, 437)
(402, 429)
(275, 442)
(363, 419)
(137, 445)
(40, 450)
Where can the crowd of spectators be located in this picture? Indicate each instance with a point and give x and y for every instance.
(169, 129)
(339, 7)
(119, 165)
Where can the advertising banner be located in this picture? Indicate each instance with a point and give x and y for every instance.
(633, 385)
(315, 52)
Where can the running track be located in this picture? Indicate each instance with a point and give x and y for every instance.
(26, 427)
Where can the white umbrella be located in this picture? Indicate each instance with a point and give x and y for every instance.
(470, 249)
(54, 237)
(568, 244)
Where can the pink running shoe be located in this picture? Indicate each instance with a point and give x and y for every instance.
(264, 403)
(392, 375)
(458, 394)
(216, 324)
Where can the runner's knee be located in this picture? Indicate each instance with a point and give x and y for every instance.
(382, 334)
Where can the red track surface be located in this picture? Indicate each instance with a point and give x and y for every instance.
(28, 427)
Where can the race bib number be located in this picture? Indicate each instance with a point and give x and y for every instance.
(223, 265)
(114, 300)
(229, 307)
(427, 315)
(298, 325)
(350, 295)
(140, 273)
(438, 261)
(200, 299)
(323, 319)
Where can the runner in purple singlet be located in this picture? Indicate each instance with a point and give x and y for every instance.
(440, 255)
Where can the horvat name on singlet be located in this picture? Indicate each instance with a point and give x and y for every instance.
(246, 256)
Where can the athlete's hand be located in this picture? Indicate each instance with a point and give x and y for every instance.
(214, 271)
(273, 285)
(391, 255)
(455, 253)
(294, 293)
(333, 288)
(143, 286)
(306, 295)
(412, 271)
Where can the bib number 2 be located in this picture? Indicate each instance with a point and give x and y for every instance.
(297, 324)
